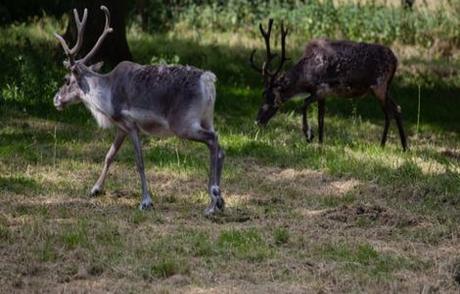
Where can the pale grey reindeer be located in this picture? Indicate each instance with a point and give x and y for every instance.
(153, 99)
(329, 68)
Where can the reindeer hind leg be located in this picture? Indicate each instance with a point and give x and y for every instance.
(381, 93)
(396, 111)
(196, 132)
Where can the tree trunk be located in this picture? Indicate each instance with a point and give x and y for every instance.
(115, 48)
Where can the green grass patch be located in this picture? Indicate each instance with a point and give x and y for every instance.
(281, 236)
(248, 244)
(364, 258)
(46, 251)
(164, 268)
(76, 235)
(5, 233)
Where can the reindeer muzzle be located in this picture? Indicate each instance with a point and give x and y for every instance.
(57, 103)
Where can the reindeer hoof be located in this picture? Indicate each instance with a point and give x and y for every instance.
(220, 204)
(146, 204)
(95, 191)
(216, 206)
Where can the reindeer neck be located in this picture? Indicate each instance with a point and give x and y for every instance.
(291, 83)
(96, 90)
(97, 97)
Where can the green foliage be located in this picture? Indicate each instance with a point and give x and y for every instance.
(369, 22)
(29, 73)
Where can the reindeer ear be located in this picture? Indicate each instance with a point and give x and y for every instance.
(97, 66)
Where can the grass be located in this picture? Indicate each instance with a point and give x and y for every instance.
(347, 216)
(363, 258)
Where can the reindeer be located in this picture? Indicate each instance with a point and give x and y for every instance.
(328, 68)
(154, 99)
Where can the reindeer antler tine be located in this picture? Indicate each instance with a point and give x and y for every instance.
(80, 23)
(63, 43)
(284, 30)
(85, 15)
(283, 59)
(107, 15)
(252, 63)
(76, 16)
(107, 30)
(261, 28)
(266, 34)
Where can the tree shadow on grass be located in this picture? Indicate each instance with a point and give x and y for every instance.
(18, 185)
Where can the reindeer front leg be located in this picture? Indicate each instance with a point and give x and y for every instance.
(321, 110)
(305, 127)
(119, 139)
(146, 202)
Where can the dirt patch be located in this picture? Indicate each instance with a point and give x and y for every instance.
(352, 214)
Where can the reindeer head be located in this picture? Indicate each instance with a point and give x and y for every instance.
(271, 95)
(74, 87)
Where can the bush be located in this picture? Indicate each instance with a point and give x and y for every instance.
(370, 22)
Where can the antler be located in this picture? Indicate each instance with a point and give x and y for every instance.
(284, 33)
(107, 30)
(80, 30)
(270, 56)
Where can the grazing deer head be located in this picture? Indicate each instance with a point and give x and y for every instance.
(329, 68)
(158, 100)
(271, 96)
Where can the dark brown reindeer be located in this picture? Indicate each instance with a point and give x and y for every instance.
(328, 68)
(157, 100)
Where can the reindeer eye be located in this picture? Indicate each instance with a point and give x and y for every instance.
(66, 80)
